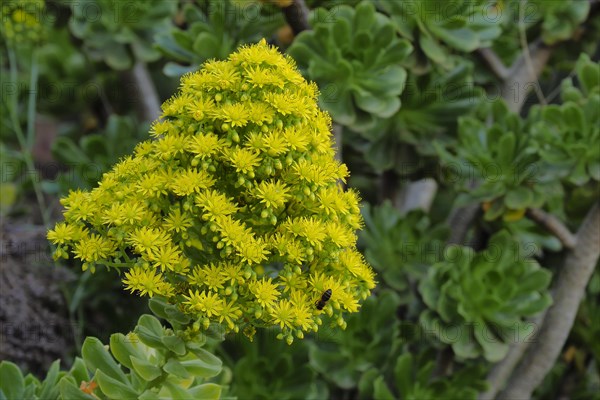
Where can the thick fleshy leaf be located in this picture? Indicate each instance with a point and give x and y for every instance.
(96, 357)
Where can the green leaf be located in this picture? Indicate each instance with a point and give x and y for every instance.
(175, 344)
(403, 373)
(117, 57)
(207, 357)
(50, 387)
(432, 49)
(176, 391)
(145, 369)
(381, 390)
(68, 152)
(11, 380)
(496, 209)
(122, 349)
(94, 145)
(519, 198)
(174, 315)
(79, 371)
(588, 73)
(506, 152)
(365, 385)
(96, 357)
(150, 331)
(158, 306)
(113, 388)
(494, 349)
(174, 70)
(149, 395)
(174, 367)
(202, 368)
(206, 45)
(206, 391)
(68, 390)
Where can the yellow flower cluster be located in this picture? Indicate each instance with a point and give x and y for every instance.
(21, 20)
(234, 212)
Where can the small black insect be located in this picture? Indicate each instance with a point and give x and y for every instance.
(323, 300)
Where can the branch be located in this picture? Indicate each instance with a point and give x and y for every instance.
(501, 371)
(460, 221)
(553, 225)
(569, 289)
(494, 62)
(417, 195)
(296, 15)
(523, 75)
(149, 102)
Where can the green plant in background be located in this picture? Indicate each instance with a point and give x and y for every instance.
(413, 379)
(401, 247)
(159, 363)
(94, 154)
(431, 104)
(552, 21)
(355, 57)
(568, 135)
(371, 340)
(234, 212)
(442, 26)
(215, 28)
(269, 369)
(22, 29)
(477, 302)
(68, 83)
(120, 32)
(499, 156)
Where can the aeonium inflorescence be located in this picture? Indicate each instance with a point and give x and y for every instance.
(234, 212)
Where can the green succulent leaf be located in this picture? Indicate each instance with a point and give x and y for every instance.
(147, 370)
(69, 390)
(361, 63)
(175, 344)
(150, 331)
(114, 388)
(12, 384)
(96, 357)
(214, 29)
(476, 299)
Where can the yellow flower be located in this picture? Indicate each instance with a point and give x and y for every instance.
(61, 234)
(166, 257)
(265, 292)
(244, 160)
(230, 313)
(235, 114)
(232, 273)
(204, 144)
(204, 304)
(215, 204)
(93, 248)
(213, 278)
(145, 281)
(147, 240)
(273, 194)
(283, 314)
(178, 221)
(190, 181)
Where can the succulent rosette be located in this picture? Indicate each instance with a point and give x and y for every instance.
(478, 301)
